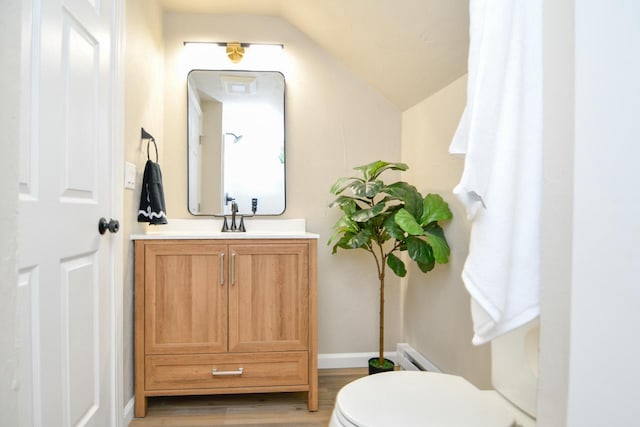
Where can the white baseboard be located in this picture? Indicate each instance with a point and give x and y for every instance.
(349, 360)
(128, 411)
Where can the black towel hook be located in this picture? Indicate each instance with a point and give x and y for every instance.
(146, 135)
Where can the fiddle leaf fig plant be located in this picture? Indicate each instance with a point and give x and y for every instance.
(386, 219)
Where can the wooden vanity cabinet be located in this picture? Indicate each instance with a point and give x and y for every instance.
(224, 317)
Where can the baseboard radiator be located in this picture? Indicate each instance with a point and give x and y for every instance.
(410, 359)
(405, 356)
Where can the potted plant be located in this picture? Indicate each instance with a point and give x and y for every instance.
(385, 220)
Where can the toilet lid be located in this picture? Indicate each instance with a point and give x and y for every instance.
(407, 398)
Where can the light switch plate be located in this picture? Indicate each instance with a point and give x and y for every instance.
(129, 176)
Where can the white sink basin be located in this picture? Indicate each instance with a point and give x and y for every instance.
(211, 229)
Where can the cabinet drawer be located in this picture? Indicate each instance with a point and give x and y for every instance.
(231, 370)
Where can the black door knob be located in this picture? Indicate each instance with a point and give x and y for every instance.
(113, 225)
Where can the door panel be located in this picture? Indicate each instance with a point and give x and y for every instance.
(185, 298)
(80, 67)
(80, 336)
(269, 301)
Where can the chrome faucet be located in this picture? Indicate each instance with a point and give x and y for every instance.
(234, 227)
(234, 211)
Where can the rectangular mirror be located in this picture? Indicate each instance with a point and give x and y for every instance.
(236, 139)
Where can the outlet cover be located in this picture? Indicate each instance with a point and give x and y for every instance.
(129, 176)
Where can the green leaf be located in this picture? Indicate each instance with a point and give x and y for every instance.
(346, 203)
(419, 250)
(425, 268)
(408, 223)
(435, 237)
(373, 170)
(342, 184)
(360, 239)
(342, 227)
(413, 202)
(367, 189)
(399, 189)
(396, 265)
(343, 243)
(393, 229)
(434, 209)
(345, 223)
(363, 215)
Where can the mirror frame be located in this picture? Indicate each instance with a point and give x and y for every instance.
(284, 144)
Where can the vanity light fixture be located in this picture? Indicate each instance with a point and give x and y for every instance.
(236, 50)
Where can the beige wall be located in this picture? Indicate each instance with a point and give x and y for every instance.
(436, 318)
(144, 67)
(334, 121)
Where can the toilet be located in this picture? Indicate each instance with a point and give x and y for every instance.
(417, 398)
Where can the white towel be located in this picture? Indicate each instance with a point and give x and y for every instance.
(501, 134)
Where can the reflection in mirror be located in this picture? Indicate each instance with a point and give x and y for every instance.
(235, 122)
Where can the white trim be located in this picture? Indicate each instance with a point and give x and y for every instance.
(117, 206)
(349, 360)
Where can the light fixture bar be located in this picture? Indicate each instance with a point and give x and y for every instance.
(235, 50)
(224, 44)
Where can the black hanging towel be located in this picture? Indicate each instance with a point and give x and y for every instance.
(152, 206)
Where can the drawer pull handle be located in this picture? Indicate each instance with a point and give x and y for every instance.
(233, 269)
(222, 268)
(217, 373)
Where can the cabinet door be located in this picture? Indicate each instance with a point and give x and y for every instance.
(268, 297)
(185, 298)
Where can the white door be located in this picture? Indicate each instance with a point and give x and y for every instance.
(65, 292)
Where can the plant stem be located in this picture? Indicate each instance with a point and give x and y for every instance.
(381, 274)
(381, 344)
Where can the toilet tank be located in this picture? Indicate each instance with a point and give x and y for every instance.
(514, 366)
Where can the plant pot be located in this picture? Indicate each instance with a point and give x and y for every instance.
(374, 368)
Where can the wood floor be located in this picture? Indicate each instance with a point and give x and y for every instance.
(275, 409)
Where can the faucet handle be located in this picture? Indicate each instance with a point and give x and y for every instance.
(241, 227)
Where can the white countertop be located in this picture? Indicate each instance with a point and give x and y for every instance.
(211, 229)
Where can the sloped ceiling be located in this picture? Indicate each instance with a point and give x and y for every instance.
(407, 49)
